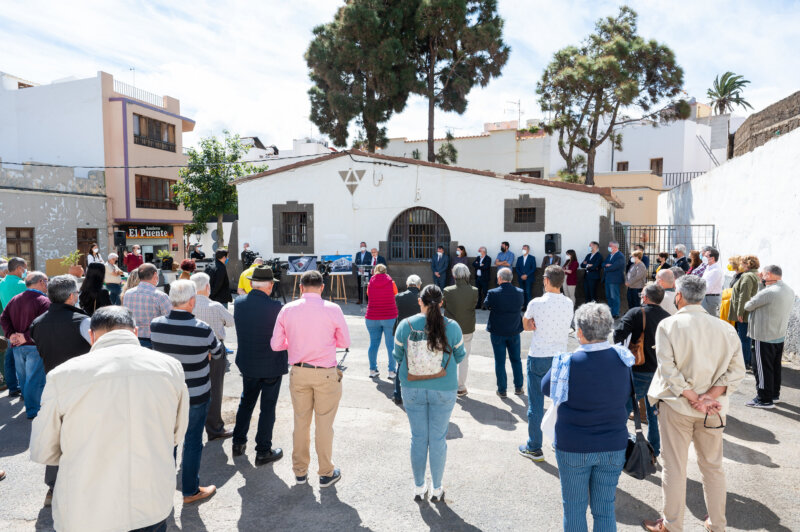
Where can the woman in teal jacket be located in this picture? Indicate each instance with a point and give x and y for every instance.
(432, 345)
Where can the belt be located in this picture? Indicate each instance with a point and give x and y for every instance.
(712, 295)
(304, 365)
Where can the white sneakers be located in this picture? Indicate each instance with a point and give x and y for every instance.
(373, 373)
(392, 375)
(437, 494)
(420, 492)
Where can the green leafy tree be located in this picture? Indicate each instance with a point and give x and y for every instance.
(360, 70)
(586, 87)
(206, 187)
(459, 46)
(726, 93)
(447, 154)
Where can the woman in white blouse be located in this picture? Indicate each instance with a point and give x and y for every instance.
(94, 255)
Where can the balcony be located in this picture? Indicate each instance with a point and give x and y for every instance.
(138, 94)
(674, 179)
(154, 143)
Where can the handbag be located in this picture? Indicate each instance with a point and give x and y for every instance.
(637, 347)
(640, 458)
(423, 364)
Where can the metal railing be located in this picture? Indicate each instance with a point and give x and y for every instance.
(673, 179)
(154, 143)
(139, 94)
(658, 238)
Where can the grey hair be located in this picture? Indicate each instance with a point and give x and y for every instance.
(505, 274)
(414, 280)
(668, 276)
(681, 248)
(258, 260)
(3, 266)
(34, 278)
(692, 288)
(111, 318)
(614, 243)
(260, 284)
(677, 272)
(112, 256)
(200, 280)
(481, 248)
(774, 269)
(61, 287)
(595, 321)
(461, 272)
(653, 293)
(181, 292)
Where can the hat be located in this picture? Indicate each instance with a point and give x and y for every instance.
(262, 273)
(198, 245)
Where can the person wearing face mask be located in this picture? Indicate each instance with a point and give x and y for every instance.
(743, 291)
(526, 270)
(483, 269)
(12, 285)
(218, 273)
(505, 257)
(135, 259)
(614, 273)
(363, 258)
(461, 256)
(769, 319)
(680, 258)
(700, 268)
(593, 264)
(635, 279)
(714, 280)
(94, 256)
(440, 263)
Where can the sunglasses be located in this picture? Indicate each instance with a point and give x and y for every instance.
(721, 424)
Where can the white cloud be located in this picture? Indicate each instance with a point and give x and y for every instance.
(239, 65)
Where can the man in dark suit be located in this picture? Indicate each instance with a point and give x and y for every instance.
(526, 270)
(614, 273)
(551, 259)
(483, 269)
(680, 255)
(362, 258)
(593, 264)
(218, 278)
(505, 326)
(262, 368)
(440, 263)
(407, 306)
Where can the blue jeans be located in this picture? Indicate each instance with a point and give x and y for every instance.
(501, 344)
(589, 479)
(146, 342)
(429, 416)
(440, 281)
(30, 372)
(612, 297)
(741, 328)
(378, 328)
(10, 371)
(537, 368)
(193, 449)
(398, 394)
(634, 296)
(114, 290)
(641, 383)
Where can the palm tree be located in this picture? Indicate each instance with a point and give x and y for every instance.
(726, 93)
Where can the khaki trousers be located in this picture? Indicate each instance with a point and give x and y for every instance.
(677, 432)
(317, 392)
(463, 366)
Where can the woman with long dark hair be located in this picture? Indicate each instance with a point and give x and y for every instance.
(93, 295)
(94, 255)
(571, 272)
(428, 348)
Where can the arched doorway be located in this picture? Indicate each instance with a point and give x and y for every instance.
(415, 234)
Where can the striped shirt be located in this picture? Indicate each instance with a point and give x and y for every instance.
(213, 313)
(182, 336)
(146, 303)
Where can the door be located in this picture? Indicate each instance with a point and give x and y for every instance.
(657, 166)
(86, 237)
(19, 243)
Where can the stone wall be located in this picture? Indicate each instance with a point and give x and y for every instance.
(52, 179)
(774, 121)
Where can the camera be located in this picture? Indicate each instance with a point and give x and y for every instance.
(325, 267)
(277, 266)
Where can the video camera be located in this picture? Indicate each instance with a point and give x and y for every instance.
(325, 267)
(277, 266)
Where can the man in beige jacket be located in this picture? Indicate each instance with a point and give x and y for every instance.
(110, 420)
(699, 366)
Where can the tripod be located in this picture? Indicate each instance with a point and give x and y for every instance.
(277, 292)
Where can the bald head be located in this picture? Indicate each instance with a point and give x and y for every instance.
(665, 279)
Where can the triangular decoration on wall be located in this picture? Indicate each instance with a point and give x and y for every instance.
(351, 178)
(344, 173)
(360, 174)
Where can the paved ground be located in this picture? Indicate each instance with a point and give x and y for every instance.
(489, 486)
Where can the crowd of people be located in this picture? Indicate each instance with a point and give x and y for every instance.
(156, 376)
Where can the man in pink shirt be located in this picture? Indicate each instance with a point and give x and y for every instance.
(311, 329)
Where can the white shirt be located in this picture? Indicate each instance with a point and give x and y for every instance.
(91, 259)
(552, 314)
(480, 263)
(374, 260)
(714, 279)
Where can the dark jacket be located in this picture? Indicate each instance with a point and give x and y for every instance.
(407, 305)
(254, 315)
(57, 334)
(683, 263)
(504, 304)
(440, 265)
(593, 264)
(459, 305)
(197, 255)
(220, 285)
(631, 323)
(91, 302)
(614, 268)
(486, 269)
(248, 258)
(526, 267)
(21, 311)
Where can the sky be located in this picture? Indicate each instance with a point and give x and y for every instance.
(239, 65)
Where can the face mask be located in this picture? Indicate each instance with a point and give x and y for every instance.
(458, 253)
(524, 251)
(363, 249)
(503, 249)
(633, 261)
(675, 301)
(439, 253)
(135, 251)
(705, 260)
(95, 250)
(590, 249)
(609, 249)
(24, 274)
(730, 267)
(674, 255)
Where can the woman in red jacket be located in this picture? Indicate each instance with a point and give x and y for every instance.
(380, 318)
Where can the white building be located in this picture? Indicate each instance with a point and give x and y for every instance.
(406, 207)
(302, 149)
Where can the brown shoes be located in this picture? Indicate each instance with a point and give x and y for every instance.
(654, 526)
(224, 435)
(203, 492)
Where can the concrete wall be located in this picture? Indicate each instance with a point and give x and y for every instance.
(752, 200)
(638, 191)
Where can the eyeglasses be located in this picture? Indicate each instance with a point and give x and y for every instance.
(721, 423)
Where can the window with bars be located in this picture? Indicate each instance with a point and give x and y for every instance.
(155, 193)
(415, 234)
(657, 166)
(622, 166)
(19, 243)
(295, 229)
(525, 215)
(153, 133)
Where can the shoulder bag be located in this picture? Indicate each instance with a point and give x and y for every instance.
(640, 458)
(637, 347)
(423, 364)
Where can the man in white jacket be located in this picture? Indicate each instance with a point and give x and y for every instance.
(110, 420)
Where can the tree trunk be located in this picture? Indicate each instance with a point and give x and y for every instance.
(431, 106)
(370, 126)
(220, 233)
(590, 166)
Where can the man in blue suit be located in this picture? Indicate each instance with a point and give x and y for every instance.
(440, 263)
(526, 268)
(593, 264)
(483, 269)
(614, 269)
(504, 326)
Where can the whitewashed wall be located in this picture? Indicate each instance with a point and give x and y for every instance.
(471, 205)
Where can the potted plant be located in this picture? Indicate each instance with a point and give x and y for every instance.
(72, 262)
(166, 259)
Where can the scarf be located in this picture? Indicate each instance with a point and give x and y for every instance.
(559, 373)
